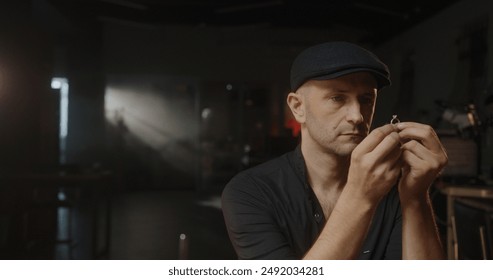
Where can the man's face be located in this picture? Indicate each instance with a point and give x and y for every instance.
(338, 112)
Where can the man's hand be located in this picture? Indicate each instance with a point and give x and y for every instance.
(375, 164)
(423, 156)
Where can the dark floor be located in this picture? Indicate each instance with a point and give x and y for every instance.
(147, 225)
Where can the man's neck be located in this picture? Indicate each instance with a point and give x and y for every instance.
(325, 170)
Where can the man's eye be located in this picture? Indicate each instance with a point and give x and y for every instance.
(337, 98)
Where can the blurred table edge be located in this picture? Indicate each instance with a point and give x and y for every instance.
(453, 192)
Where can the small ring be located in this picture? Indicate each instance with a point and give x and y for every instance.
(394, 120)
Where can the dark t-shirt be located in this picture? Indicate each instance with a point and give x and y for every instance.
(271, 212)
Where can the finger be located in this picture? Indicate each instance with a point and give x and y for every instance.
(386, 147)
(421, 132)
(394, 157)
(419, 150)
(393, 161)
(411, 159)
(374, 138)
(391, 170)
(423, 156)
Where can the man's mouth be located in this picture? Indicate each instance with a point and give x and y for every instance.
(354, 134)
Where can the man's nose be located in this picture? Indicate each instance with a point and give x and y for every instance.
(353, 114)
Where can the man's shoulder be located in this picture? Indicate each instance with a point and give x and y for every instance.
(269, 168)
(270, 174)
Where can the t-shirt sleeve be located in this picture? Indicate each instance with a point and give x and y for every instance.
(250, 219)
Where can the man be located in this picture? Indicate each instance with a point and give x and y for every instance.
(345, 192)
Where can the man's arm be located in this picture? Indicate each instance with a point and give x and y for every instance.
(374, 169)
(423, 157)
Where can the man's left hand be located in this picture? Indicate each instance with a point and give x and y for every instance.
(423, 158)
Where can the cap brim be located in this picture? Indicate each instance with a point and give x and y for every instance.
(381, 78)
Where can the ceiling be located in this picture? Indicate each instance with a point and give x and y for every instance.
(378, 20)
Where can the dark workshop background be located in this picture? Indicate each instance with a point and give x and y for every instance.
(122, 120)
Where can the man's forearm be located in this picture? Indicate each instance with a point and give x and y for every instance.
(420, 238)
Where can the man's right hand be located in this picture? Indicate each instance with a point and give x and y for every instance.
(375, 164)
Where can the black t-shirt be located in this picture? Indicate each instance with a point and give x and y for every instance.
(271, 212)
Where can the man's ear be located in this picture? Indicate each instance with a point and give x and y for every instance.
(297, 106)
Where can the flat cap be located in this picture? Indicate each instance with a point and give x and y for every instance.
(334, 59)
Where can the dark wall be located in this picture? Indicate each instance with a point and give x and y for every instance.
(27, 119)
(28, 125)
